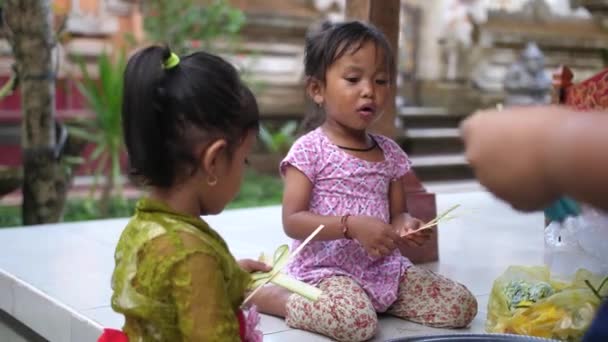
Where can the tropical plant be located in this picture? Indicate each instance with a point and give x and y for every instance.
(278, 141)
(104, 97)
(188, 25)
(181, 22)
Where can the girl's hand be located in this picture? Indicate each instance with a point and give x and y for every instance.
(251, 266)
(378, 238)
(404, 224)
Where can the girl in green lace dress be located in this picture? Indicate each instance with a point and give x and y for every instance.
(189, 125)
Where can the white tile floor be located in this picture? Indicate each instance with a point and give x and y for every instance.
(67, 267)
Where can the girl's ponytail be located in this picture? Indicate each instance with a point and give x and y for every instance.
(173, 104)
(143, 118)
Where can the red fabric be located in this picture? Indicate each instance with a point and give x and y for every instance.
(242, 326)
(591, 94)
(113, 335)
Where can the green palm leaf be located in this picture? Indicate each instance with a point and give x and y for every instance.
(104, 97)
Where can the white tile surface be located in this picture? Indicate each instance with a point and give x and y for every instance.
(9, 334)
(76, 274)
(482, 303)
(83, 330)
(271, 324)
(45, 318)
(109, 234)
(105, 317)
(6, 293)
(37, 240)
(295, 336)
(389, 328)
(250, 232)
(73, 263)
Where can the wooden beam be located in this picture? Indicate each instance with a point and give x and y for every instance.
(384, 14)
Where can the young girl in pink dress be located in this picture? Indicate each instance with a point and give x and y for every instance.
(342, 176)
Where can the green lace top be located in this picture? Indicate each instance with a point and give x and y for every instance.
(175, 279)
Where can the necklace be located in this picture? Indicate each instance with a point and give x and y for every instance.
(367, 149)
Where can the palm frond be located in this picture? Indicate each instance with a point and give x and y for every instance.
(104, 98)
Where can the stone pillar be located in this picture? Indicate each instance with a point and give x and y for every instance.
(431, 24)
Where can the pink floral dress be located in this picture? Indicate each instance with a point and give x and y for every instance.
(344, 184)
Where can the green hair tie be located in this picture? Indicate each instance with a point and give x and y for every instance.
(171, 62)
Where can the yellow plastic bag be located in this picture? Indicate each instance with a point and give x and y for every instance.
(526, 301)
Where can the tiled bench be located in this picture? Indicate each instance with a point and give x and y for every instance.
(56, 278)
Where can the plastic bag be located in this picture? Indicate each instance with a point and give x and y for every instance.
(527, 301)
(577, 242)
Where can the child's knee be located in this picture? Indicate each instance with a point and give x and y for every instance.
(355, 323)
(462, 310)
(455, 310)
(340, 317)
(468, 308)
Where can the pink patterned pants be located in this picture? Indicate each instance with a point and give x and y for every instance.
(345, 313)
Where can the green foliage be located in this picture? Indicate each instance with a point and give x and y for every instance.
(10, 216)
(82, 209)
(189, 25)
(257, 190)
(7, 88)
(89, 209)
(278, 141)
(179, 22)
(104, 97)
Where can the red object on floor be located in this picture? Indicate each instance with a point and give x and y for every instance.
(242, 326)
(113, 335)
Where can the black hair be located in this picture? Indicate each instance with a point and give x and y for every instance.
(166, 112)
(327, 43)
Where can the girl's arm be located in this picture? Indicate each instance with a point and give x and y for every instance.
(204, 310)
(298, 222)
(377, 238)
(397, 199)
(193, 279)
(400, 219)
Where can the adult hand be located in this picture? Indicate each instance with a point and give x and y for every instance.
(507, 151)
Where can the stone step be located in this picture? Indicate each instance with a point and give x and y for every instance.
(453, 186)
(458, 98)
(442, 167)
(422, 111)
(429, 141)
(433, 133)
(431, 137)
(427, 117)
(439, 160)
(432, 147)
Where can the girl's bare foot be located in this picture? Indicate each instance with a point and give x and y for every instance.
(272, 300)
